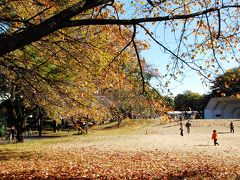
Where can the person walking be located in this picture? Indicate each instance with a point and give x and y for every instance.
(188, 125)
(231, 127)
(214, 137)
(181, 129)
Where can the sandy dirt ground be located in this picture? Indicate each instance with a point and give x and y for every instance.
(196, 147)
(167, 137)
(153, 152)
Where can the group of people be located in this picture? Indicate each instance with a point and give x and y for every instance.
(188, 125)
(214, 134)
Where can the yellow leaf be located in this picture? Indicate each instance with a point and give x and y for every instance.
(143, 2)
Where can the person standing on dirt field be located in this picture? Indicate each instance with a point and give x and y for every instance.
(214, 137)
(231, 127)
(188, 125)
(181, 129)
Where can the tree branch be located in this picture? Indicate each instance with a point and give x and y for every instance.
(35, 33)
(172, 53)
(138, 58)
(219, 23)
(62, 20)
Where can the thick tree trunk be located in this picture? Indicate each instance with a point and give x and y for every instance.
(54, 126)
(20, 127)
(17, 115)
(40, 127)
(40, 132)
(19, 136)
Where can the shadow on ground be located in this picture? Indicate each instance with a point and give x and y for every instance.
(223, 132)
(8, 155)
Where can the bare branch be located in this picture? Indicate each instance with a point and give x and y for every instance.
(172, 53)
(138, 58)
(219, 23)
(213, 49)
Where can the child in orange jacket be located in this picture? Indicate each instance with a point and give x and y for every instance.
(214, 137)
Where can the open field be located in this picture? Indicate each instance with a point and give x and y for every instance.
(140, 150)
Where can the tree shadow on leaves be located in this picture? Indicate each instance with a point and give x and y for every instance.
(9, 154)
(188, 175)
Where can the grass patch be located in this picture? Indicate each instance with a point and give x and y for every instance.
(127, 126)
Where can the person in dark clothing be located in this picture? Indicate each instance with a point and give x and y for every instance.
(188, 125)
(185, 115)
(231, 127)
(181, 129)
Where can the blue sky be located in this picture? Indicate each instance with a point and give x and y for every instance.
(190, 80)
(154, 55)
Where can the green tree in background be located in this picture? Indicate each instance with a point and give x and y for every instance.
(189, 100)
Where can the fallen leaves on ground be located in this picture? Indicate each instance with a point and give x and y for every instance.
(60, 162)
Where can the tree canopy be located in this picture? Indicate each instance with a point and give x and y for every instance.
(66, 53)
(88, 72)
(199, 26)
(189, 100)
(227, 84)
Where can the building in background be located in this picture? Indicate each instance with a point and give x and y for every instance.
(223, 108)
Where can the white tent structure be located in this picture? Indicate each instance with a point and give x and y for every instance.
(223, 108)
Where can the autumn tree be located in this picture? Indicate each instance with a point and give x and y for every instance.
(69, 82)
(17, 113)
(124, 95)
(61, 51)
(169, 101)
(227, 84)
